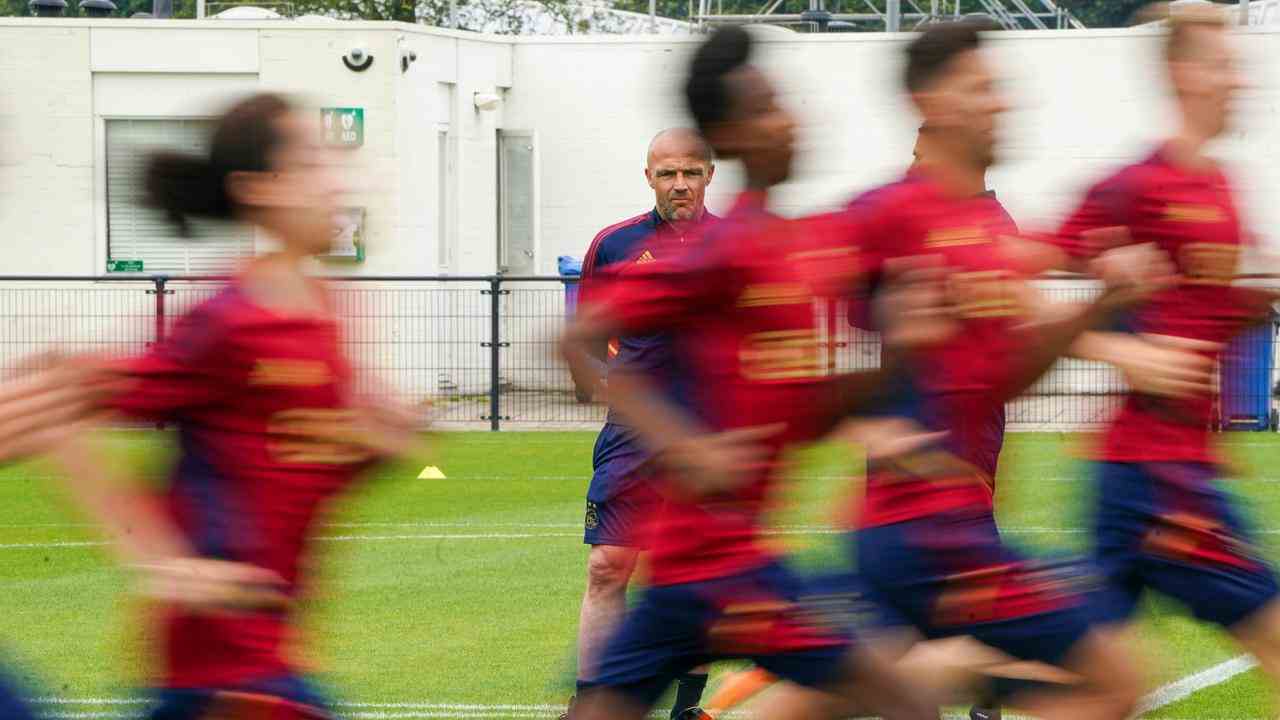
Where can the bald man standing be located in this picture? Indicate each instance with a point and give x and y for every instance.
(619, 499)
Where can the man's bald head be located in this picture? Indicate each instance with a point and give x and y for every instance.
(678, 169)
(681, 141)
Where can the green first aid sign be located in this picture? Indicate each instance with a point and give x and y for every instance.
(124, 266)
(343, 127)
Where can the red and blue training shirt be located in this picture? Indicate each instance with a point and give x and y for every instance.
(244, 385)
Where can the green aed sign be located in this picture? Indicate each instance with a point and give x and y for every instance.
(343, 127)
(124, 266)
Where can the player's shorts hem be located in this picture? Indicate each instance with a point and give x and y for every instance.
(1230, 620)
(622, 520)
(593, 539)
(1133, 500)
(1044, 637)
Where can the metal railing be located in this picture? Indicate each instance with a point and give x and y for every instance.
(481, 349)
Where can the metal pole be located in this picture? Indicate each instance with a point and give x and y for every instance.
(653, 16)
(453, 14)
(495, 289)
(160, 292)
(200, 9)
(1244, 12)
(893, 16)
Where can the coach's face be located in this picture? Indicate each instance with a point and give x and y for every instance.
(965, 105)
(679, 171)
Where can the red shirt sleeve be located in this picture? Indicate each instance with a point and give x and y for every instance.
(829, 253)
(179, 374)
(863, 224)
(1107, 205)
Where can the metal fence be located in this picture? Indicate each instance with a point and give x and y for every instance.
(481, 349)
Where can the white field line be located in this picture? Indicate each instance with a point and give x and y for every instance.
(786, 530)
(1187, 686)
(67, 709)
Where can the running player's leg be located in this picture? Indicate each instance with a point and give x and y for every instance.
(950, 575)
(659, 638)
(1259, 635)
(1168, 526)
(828, 671)
(286, 697)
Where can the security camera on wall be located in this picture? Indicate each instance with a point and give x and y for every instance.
(486, 101)
(357, 59)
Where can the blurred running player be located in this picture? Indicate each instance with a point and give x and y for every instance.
(270, 431)
(740, 312)
(927, 544)
(1161, 520)
(983, 436)
(678, 168)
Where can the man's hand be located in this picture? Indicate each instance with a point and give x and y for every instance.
(888, 438)
(58, 401)
(390, 428)
(1165, 366)
(912, 309)
(1132, 273)
(711, 463)
(210, 585)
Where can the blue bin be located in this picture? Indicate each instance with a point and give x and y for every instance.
(570, 269)
(1246, 380)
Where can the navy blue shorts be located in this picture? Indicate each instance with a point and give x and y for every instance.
(621, 498)
(192, 703)
(752, 615)
(1170, 527)
(949, 574)
(841, 598)
(12, 704)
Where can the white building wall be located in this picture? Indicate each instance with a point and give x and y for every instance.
(1084, 102)
(46, 149)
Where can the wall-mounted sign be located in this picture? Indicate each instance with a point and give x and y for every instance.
(124, 266)
(343, 127)
(347, 242)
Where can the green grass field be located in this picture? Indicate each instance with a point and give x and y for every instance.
(459, 597)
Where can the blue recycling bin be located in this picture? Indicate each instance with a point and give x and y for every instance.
(1246, 380)
(570, 269)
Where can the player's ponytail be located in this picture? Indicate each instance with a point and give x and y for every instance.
(186, 186)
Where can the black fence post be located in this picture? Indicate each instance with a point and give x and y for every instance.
(495, 346)
(160, 292)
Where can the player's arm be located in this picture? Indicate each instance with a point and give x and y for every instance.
(144, 538)
(704, 462)
(1163, 366)
(909, 307)
(1130, 275)
(53, 412)
(652, 300)
(591, 378)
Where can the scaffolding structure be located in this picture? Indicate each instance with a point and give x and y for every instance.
(894, 15)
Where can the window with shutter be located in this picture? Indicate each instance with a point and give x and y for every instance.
(135, 232)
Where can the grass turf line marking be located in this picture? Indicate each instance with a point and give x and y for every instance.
(1188, 686)
(531, 536)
